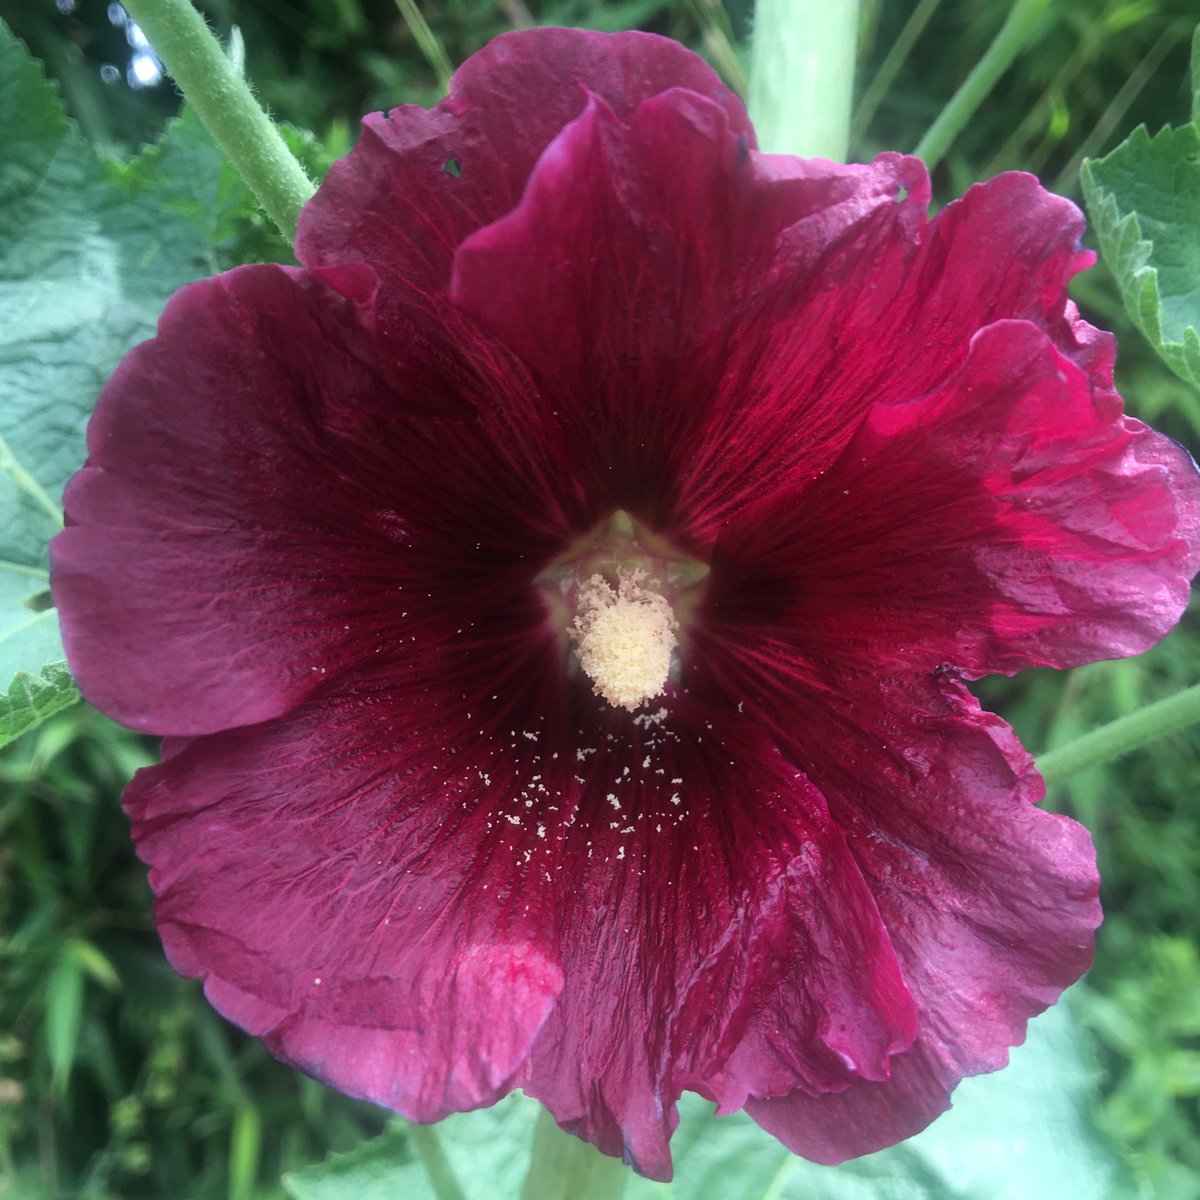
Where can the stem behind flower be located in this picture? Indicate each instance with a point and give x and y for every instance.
(225, 104)
(565, 1168)
(1127, 733)
(978, 85)
(802, 75)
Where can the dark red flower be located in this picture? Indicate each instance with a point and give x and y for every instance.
(573, 373)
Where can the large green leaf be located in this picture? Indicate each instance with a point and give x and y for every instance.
(1144, 201)
(381, 1169)
(89, 253)
(1024, 1132)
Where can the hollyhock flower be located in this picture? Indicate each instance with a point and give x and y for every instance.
(557, 597)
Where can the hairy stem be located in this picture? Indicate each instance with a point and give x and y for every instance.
(225, 104)
(1127, 733)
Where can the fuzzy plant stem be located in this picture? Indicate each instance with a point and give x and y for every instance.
(1014, 33)
(1123, 735)
(224, 103)
(802, 75)
(565, 1168)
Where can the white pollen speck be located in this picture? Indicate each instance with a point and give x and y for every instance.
(675, 799)
(620, 852)
(645, 720)
(317, 980)
(612, 799)
(513, 819)
(541, 831)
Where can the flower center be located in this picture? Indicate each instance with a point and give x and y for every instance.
(617, 598)
(625, 636)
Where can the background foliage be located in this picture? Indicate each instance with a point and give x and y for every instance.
(116, 1080)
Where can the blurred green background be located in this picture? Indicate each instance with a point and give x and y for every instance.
(116, 1079)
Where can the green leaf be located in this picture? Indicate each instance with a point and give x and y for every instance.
(94, 962)
(89, 254)
(381, 1169)
(32, 699)
(1144, 201)
(1025, 1131)
(64, 1014)
(488, 1152)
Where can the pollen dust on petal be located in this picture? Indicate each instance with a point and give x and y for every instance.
(625, 638)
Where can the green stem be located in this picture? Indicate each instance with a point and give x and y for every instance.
(565, 1168)
(225, 104)
(428, 1145)
(1118, 737)
(719, 42)
(896, 57)
(977, 86)
(802, 75)
(428, 42)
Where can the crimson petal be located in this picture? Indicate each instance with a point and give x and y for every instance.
(353, 904)
(195, 517)
(639, 355)
(719, 937)
(420, 181)
(990, 903)
(1010, 518)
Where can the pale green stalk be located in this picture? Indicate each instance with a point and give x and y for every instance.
(565, 1168)
(802, 75)
(1123, 735)
(223, 101)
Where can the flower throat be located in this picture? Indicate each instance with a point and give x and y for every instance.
(619, 595)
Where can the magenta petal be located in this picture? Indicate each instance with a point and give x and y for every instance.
(352, 905)
(866, 1117)
(631, 344)
(197, 514)
(267, 498)
(428, 915)
(755, 963)
(1010, 518)
(420, 181)
(989, 902)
